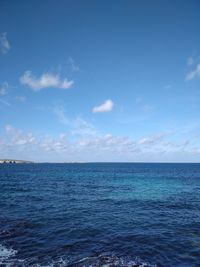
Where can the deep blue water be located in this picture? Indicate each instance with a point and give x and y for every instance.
(100, 214)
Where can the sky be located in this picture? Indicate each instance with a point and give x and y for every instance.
(109, 81)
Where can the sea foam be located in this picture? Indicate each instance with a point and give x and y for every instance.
(110, 261)
(6, 255)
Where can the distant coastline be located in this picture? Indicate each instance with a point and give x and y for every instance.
(13, 161)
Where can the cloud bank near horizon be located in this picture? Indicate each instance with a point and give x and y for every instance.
(91, 146)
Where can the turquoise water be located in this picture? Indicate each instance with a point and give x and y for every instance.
(100, 214)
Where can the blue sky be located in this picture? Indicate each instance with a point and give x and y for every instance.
(100, 80)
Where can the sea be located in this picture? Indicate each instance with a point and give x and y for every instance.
(100, 214)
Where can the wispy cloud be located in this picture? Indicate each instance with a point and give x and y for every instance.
(168, 86)
(5, 102)
(151, 140)
(3, 91)
(4, 88)
(60, 113)
(108, 143)
(73, 64)
(46, 80)
(4, 43)
(105, 107)
(147, 108)
(193, 74)
(76, 126)
(190, 61)
(20, 98)
(81, 127)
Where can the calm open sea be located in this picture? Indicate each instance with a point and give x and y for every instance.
(100, 214)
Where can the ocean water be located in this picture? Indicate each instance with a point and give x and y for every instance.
(100, 214)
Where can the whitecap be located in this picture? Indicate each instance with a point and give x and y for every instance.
(110, 261)
(6, 254)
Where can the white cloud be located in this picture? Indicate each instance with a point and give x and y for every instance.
(105, 107)
(46, 80)
(4, 88)
(17, 137)
(193, 74)
(4, 44)
(20, 98)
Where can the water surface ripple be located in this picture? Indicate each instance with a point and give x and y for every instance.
(100, 214)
